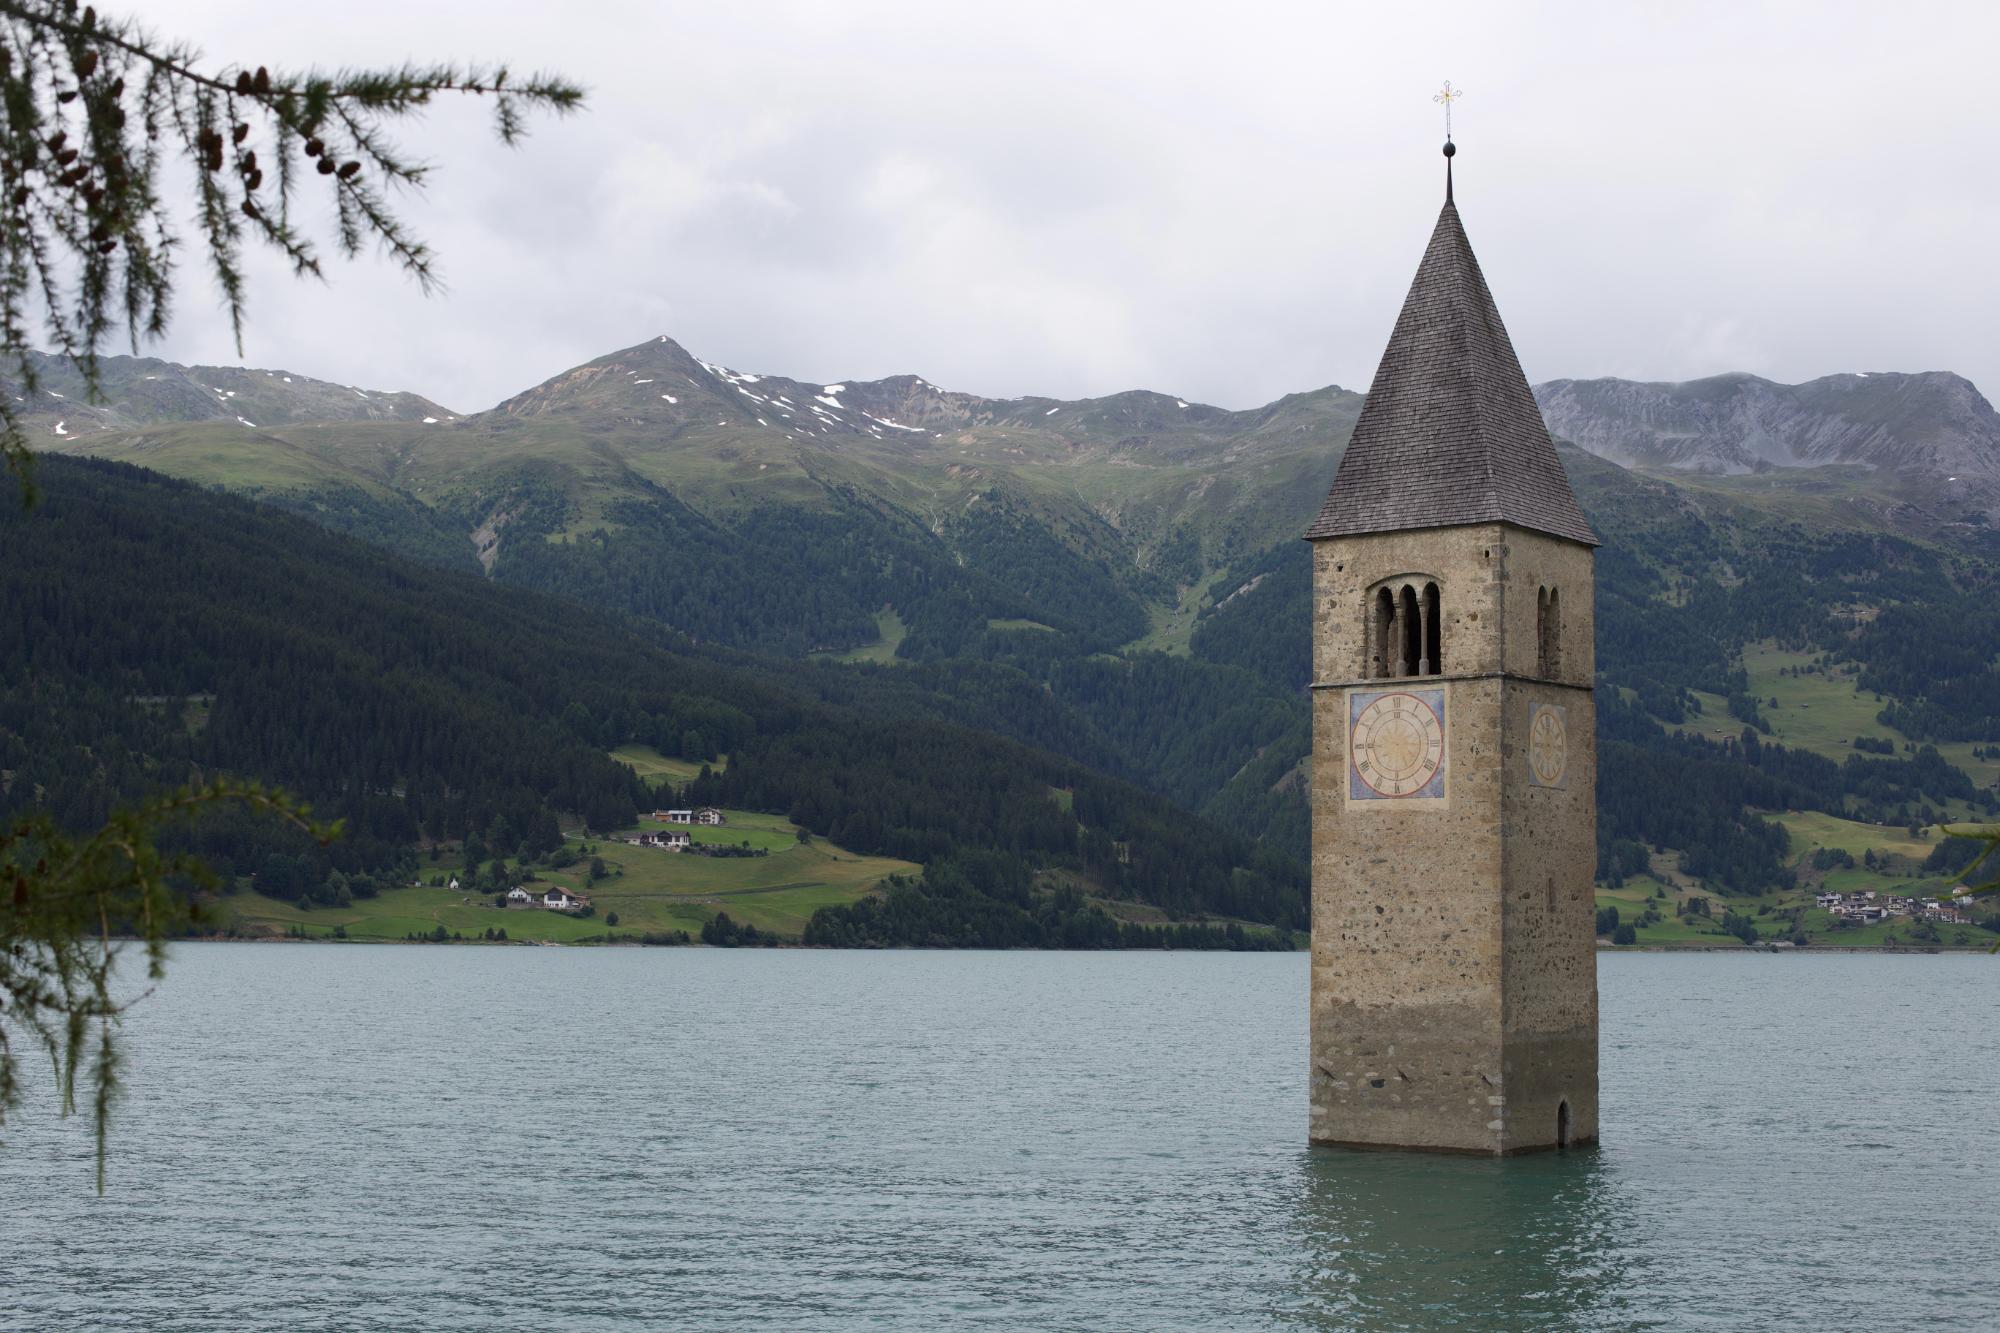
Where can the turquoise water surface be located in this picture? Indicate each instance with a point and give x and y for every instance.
(381, 1137)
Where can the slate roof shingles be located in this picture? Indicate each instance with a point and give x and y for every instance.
(1450, 433)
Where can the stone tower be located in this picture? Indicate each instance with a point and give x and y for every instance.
(1454, 972)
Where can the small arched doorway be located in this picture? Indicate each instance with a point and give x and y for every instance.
(1562, 1123)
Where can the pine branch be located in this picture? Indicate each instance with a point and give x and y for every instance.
(64, 904)
(1990, 835)
(94, 109)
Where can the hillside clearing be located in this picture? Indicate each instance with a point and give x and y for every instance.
(650, 889)
(1824, 709)
(892, 632)
(656, 768)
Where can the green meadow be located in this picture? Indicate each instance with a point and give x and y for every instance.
(1823, 710)
(1811, 830)
(1898, 853)
(891, 631)
(651, 890)
(656, 768)
(1173, 626)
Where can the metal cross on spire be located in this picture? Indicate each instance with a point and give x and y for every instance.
(1445, 99)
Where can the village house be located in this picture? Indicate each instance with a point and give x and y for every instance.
(671, 840)
(708, 814)
(1944, 914)
(1869, 905)
(556, 899)
(674, 816)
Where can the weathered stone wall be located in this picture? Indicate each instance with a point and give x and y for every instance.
(1549, 981)
(1447, 1011)
(1529, 563)
(1549, 970)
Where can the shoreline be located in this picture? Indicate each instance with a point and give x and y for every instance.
(1794, 948)
(697, 944)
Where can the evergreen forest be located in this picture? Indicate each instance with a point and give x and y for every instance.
(158, 632)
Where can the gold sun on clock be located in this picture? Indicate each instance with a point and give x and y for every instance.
(1396, 744)
(1548, 745)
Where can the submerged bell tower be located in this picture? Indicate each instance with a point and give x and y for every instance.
(1454, 848)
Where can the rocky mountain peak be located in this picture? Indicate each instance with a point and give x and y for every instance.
(1932, 422)
(142, 391)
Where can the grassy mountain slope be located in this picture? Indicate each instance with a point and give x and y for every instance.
(158, 631)
(1061, 544)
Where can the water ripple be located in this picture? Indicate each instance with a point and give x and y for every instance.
(433, 1138)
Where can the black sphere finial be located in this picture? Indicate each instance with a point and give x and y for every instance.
(1444, 99)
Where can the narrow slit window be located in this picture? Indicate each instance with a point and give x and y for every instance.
(1548, 632)
(1553, 665)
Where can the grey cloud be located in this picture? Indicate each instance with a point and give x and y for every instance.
(1221, 204)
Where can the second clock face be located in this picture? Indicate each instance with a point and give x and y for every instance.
(1396, 744)
(1548, 745)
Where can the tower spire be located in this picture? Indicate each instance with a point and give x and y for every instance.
(1450, 433)
(1445, 98)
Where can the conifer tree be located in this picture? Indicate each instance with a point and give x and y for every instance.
(97, 117)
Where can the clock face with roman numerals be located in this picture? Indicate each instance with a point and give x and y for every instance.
(1396, 745)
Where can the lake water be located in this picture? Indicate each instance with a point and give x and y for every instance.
(354, 1137)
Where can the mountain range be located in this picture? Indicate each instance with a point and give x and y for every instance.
(1930, 423)
(1137, 472)
(1135, 558)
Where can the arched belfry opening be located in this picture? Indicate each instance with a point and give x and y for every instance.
(1413, 632)
(1433, 641)
(1383, 661)
(1405, 628)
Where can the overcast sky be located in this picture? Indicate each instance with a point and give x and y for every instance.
(1224, 202)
